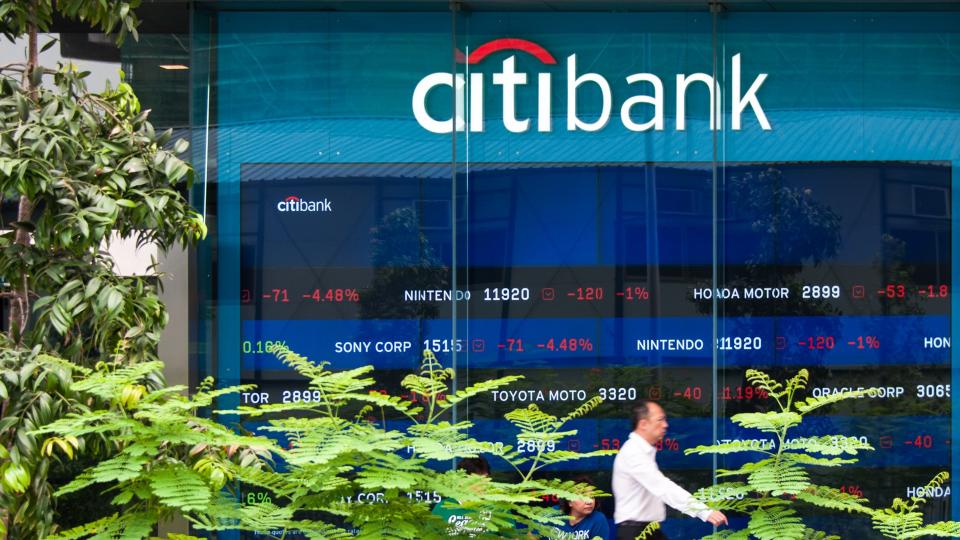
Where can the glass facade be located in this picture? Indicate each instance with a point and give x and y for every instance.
(625, 204)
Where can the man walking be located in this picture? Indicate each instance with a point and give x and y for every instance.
(640, 489)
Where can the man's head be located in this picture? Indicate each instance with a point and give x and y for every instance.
(649, 420)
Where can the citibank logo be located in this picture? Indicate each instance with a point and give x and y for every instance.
(296, 204)
(641, 111)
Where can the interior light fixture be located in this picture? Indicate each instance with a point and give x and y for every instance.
(173, 67)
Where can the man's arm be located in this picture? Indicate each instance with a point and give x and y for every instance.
(646, 472)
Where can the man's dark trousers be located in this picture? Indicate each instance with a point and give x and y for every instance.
(629, 530)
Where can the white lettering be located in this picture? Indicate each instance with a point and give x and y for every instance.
(685, 80)
(508, 78)
(573, 82)
(656, 100)
(738, 103)
(420, 94)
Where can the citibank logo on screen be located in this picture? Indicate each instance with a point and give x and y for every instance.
(296, 204)
(642, 111)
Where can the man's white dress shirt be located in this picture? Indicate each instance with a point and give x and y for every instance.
(640, 489)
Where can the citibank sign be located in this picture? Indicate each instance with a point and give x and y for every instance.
(632, 115)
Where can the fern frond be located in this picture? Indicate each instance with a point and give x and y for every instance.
(833, 498)
(779, 479)
(544, 437)
(348, 381)
(747, 468)
(934, 483)
(895, 523)
(583, 409)
(482, 388)
(390, 471)
(903, 519)
(769, 422)
(754, 445)
(179, 487)
(424, 386)
(814, 403)
(301, 364)
(776, 524)
(764, 382)
(107, 384)
(561, 456)
(811, 534)
(828, 445)
(128, 526)
(85, 530)
(207, 397)
(265, 516)
(532, 420)
(387, 402)
(798, 381)
(804, 459)
(946, 529)
(431, 367)
(116, 469)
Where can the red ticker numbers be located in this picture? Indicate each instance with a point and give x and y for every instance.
(282, 295)
(693, 393)
(935, 291)
(738, 393)
(609, 443)
(333, 295)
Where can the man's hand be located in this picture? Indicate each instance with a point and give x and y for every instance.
(717, 518)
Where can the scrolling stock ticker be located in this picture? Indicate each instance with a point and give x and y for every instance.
(596, 279)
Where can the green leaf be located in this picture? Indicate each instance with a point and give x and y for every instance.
(114, 299)
(135, 165)
(769, 476)
(731, 447)
(776, 524)
(83, 226)
(943, 529)
(93, 286)
(180, 487)
(770, 422)
(834, 499)
(48, 44)
(814, 403)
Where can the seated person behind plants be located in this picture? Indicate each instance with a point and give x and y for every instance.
(584, 519)
(459, 522)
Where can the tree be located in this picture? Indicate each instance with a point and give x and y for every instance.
(83, 168)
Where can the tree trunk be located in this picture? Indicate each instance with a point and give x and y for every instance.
(20, 300)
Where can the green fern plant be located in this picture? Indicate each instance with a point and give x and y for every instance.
(904, 520)
(165, 459)
(772, 485)
(343, 475)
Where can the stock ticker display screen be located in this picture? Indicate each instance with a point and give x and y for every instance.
(620, 280)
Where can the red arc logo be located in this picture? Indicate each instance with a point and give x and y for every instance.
(507, 44)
